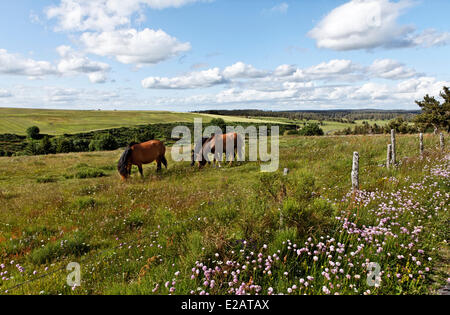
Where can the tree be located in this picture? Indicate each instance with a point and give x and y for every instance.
(434, 113)
(46, 146)
(219, 122)
(311, 129)
(64, 145)
(33, 132)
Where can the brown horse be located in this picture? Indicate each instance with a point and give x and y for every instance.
(140, 154)
(211, 145)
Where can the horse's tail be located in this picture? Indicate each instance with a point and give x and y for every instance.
(123, 162)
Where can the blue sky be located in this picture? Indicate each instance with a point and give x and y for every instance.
(185, 55)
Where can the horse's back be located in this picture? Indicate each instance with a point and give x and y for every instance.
(149, 151)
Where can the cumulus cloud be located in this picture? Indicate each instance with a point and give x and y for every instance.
(130, 46)
(71, 63)
(192, 80)
(14, 64)
(103, 15)
(369, 24)
(285, 76)
(285, 70)
(391, 69)
(75, 63)
(5, 93)
(337, 69)
(242, 70)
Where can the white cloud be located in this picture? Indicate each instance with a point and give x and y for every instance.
(71, 63)
(192, 80)
(285, 70)
(337, 69)
(75, 63)
(280, 8)
(391, 69)
(130, 46)
(242, 70)
(14, 64)
(103, 15)
(5, 93)
(369, 24)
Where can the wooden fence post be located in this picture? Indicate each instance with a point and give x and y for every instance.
(394, 148)
(442, 141)
(355, 172)
(389, 156)
(421, 144)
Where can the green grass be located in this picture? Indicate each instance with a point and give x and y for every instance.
(132, 237)
(57, 122)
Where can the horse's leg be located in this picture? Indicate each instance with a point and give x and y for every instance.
(141, 170)
(159, 168)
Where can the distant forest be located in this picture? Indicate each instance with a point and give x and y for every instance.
(344, 116)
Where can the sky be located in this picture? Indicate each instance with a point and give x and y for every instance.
(188, 55)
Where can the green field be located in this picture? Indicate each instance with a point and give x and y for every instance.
(186, 231)
(57, 122)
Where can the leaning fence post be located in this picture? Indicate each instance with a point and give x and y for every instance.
(421, 144)
(389, 156)
(355, 172)
(393, 156)
(442, 141)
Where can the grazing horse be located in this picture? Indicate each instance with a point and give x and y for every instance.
(212, 145)
(140, 154)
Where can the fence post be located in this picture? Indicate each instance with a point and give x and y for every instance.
(442, 141)
(393, 149)
(421, 144)
(389, 156)
(355, 172)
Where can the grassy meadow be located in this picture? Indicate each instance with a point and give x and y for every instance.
(232, 230)
(58, 122)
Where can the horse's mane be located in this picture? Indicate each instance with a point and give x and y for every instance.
(123, 162)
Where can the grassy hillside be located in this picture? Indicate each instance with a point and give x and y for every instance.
(57, 122)
(214, 229)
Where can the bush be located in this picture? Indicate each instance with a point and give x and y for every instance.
(104, 142)
(33, 133)
(84, 203)
(64, 145)
(311, 129)
(46, 179)
(219, 122)
(46, 146)
(81, 145)
(73, 245)
(107, 142)
(83, 173)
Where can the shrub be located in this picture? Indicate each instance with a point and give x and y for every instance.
(33, 132)
(73, 245)
(81, 145)
(311, 129)
(46, 179)
(219, 122)
(84, 203)
(46, 146)
(89, 173)
(107, 142)
(64, 145)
